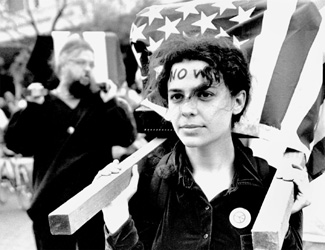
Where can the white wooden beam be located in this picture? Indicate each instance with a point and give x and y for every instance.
(74, 213)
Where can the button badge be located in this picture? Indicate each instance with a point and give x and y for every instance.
(240, 217)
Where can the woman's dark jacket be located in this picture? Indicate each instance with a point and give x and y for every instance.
(69, 146)
(180, 216)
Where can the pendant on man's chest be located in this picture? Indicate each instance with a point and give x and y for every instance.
(70, 130)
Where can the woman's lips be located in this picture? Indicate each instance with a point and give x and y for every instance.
(190, 126)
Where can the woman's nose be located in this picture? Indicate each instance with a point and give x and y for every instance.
(189, 107)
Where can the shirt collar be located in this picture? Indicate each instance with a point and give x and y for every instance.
(245, 166)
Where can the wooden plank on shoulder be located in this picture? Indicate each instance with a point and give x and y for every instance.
(272, 221)
(74, 213)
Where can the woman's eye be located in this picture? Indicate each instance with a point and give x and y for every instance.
(204, 95)
(176, 97)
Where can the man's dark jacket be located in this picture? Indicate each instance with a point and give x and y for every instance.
(69, 146)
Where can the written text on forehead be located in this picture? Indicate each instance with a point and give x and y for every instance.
(181, 73)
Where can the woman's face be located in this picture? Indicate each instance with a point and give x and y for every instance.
(201, 115)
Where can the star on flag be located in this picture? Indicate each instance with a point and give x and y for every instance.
(188, 9)
(238, 43)
(224, 5)
(243, 15)
(153, 14)
(154, 45)
(170, 27)
(137, 32)
(205, 22)
(222, 33)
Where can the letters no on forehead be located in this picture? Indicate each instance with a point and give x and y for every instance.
(183, 72)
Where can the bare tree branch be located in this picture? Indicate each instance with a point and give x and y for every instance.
(59, 14)
(32, 20)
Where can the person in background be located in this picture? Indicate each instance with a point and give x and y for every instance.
(6, 81)
(70, 132)
(7, 90)
(3, 125)
(206, 193)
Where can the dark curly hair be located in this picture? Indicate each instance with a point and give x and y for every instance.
(224, 61)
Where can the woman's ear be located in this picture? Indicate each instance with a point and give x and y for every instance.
(239, 102)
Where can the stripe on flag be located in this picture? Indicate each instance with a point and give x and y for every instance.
(289, 65)
(264, 57)
(316, 162)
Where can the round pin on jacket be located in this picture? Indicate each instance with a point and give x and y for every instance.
(240, 217)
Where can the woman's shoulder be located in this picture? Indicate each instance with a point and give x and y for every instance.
(165, 166)
(264, 170)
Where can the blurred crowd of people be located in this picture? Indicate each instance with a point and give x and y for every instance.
(11, 76)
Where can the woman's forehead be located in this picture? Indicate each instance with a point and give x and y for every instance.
(187, 69)
(190, 64)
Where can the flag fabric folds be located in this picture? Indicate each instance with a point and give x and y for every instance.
(284, 44)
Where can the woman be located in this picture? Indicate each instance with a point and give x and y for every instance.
(207, 192)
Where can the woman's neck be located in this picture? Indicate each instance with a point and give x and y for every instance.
(212, 157)
(213, 167)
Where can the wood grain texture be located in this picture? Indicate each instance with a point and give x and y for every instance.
(272, 221)
(74, 213)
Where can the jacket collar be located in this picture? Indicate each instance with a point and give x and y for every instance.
(245, 166)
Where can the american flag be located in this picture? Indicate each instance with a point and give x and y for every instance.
(284, 43)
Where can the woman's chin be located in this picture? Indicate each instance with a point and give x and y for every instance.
(191, 142)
